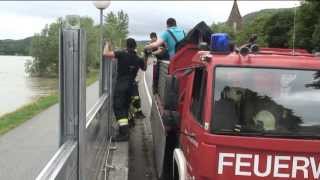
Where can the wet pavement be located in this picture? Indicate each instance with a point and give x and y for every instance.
(141, 161)
(25, 150)
(141, 164)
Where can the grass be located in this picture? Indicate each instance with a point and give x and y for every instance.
(92, 76)
(14, 119)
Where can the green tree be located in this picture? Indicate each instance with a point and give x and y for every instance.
(52, 52)
(278, 29)
(33, 67)
(307, 27)
(93, 42)
(223, 28)
(45, 48)
(39, 45)
(116, 27)
(256, 26)
(45, 45)
(15, 47)
(274, 27)
(316, 38)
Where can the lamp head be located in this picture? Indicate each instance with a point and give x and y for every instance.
(101, 4)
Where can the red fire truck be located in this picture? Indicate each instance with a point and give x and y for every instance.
(237, 115)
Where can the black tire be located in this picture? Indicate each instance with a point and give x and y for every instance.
(171, 144)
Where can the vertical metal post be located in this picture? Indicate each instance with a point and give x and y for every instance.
(294, 31)
(61, 86)
(72, 83)
(73, 88)
(82, 104)
(107, 71)
(102, 75)
(69, 84)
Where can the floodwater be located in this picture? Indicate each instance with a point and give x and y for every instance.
(17, 88)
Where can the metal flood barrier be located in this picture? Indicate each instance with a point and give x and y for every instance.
(83, 137)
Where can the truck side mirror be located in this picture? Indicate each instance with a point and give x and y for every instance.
(171, 93)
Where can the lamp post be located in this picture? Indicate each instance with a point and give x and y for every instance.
(101, 5)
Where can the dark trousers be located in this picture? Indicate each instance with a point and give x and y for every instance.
(126, 96)
(122, 97)
(156, 77)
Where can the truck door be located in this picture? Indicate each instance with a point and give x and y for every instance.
(192, 127)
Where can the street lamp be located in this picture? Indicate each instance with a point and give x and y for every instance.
(101, 5)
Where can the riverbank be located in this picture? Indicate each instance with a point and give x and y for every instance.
(26, 112)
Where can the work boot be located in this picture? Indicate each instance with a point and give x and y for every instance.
(123, 134)
(139, 115)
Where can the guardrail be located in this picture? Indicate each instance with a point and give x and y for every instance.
(83, 137)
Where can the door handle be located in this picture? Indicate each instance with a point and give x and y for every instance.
(189, 134)
(192, 138)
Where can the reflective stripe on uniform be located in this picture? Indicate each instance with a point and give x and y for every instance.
(123, 121)
(136, 109)
(135, 97)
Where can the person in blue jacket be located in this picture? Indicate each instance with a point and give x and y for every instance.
(170, 37)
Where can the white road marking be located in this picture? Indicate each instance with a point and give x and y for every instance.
(146, 88)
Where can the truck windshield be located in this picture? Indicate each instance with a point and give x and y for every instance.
(266, 102)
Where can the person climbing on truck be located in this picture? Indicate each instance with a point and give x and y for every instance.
(128, 62)
(160, 52)
(170, 37)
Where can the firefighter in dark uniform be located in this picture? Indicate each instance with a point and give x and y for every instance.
(128, 63)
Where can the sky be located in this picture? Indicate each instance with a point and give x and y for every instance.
(21, 19)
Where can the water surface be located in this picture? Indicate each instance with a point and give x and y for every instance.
(16, 87)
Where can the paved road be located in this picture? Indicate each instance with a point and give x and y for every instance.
(141, 164)
(25, 150)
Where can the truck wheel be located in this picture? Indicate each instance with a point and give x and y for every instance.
(171, 144)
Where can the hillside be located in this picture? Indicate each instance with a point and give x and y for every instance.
(15, 47)
(265, 12)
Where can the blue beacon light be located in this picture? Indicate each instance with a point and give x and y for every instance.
(220, 42)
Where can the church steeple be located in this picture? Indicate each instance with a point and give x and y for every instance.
(235, 19)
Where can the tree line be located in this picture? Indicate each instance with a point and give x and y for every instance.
(275, 27)
(45, 45)
(15, 47)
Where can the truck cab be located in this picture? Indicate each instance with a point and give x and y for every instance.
(235, 115)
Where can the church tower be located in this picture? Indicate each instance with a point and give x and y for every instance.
(235, 19)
